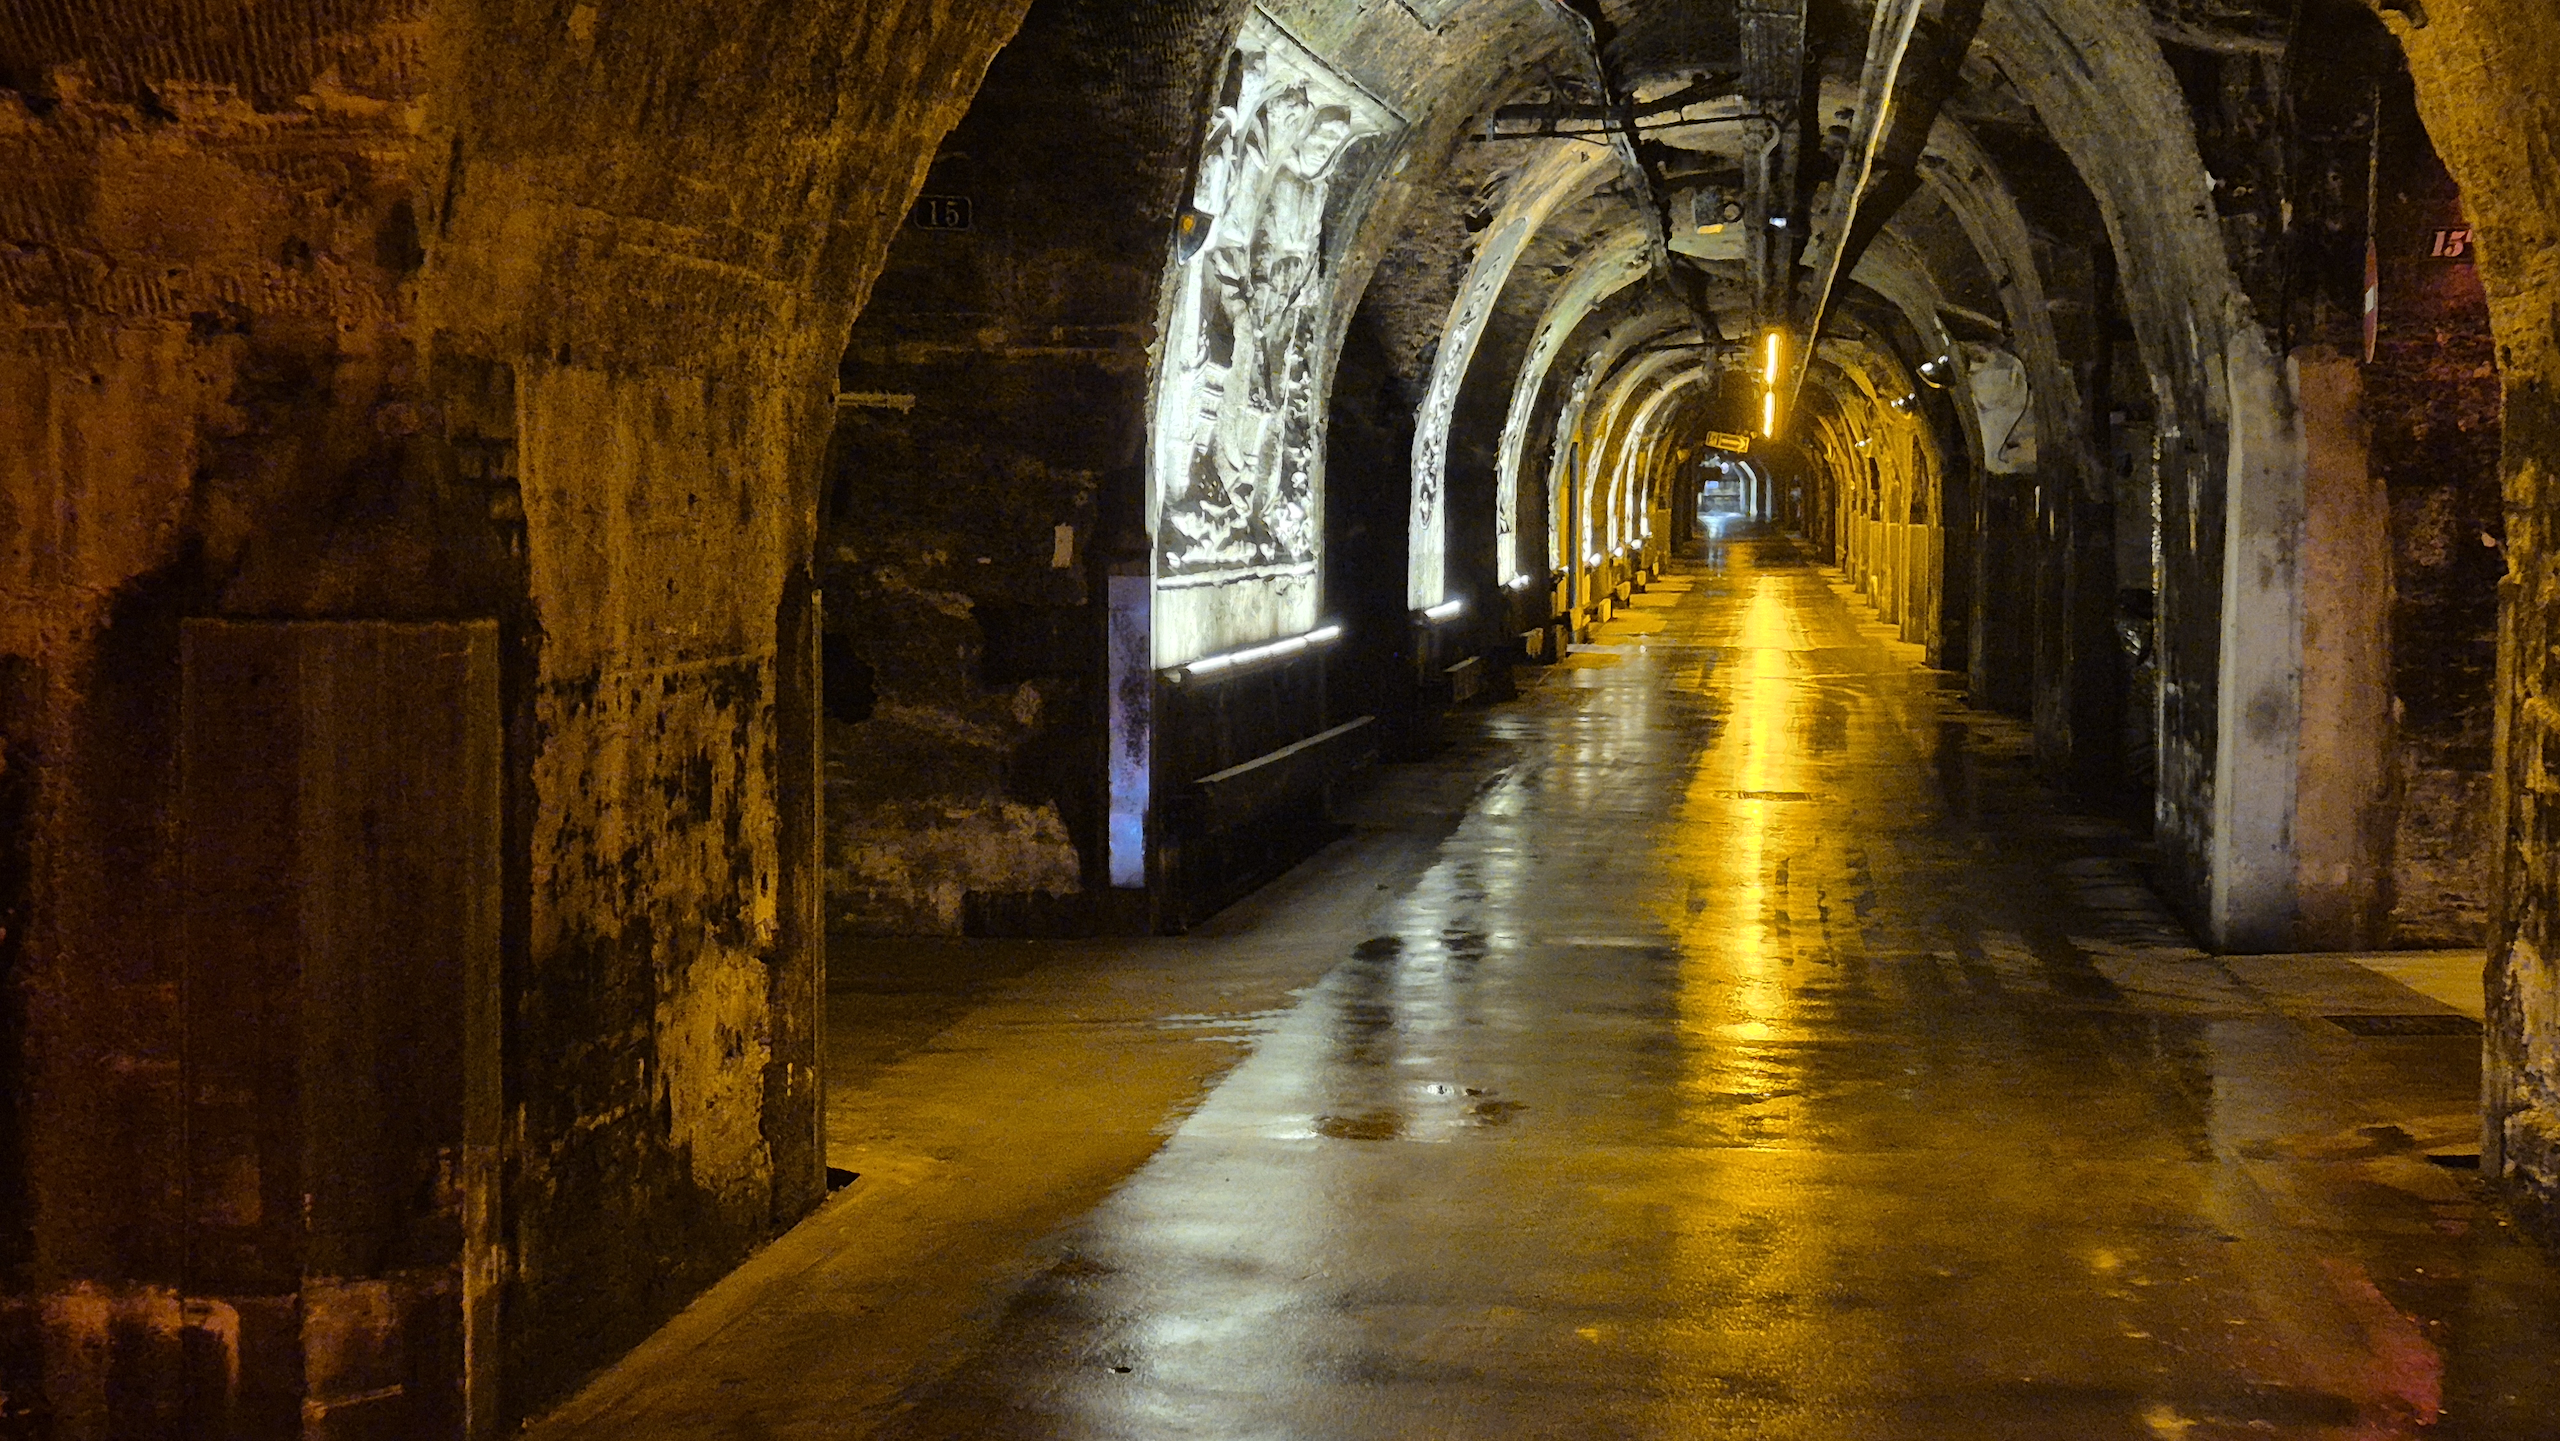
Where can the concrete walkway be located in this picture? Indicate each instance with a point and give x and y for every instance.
(1727, 1039)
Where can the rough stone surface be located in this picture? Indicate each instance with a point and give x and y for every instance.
(2488, 88)
(976, 505)
(2433, 399)
(425, 311)
(607, 324)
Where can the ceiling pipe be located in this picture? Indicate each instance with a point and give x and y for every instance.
(1773, 86)
(1584, 20)
(1888, 41)
(1929, 76)
(1547, 119)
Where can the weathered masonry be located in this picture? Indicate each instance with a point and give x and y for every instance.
(518, 523)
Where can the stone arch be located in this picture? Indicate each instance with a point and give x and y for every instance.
(520, 339)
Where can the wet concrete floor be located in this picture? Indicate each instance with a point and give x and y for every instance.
(1725, 1039)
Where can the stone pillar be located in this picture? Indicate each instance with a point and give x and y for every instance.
(2343, 800)
(442, 320)
(2251, 897)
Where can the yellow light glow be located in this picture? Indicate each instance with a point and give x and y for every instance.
(1769, 414)
(1739, 900)
(1770, 375)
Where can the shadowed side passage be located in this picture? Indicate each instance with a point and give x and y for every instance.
(1760, 1053)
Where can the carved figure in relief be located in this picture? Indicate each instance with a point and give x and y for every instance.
(1242, 491)
(1565, 472)
(1458, 346)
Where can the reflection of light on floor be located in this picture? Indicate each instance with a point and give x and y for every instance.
(1768, 622)
(1739, 1026)
(1733, 982)
(1754, 753)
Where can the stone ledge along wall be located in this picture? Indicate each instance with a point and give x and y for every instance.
(420, 311)
(2488, 88)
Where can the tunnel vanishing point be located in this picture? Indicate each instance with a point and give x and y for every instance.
(535, 537)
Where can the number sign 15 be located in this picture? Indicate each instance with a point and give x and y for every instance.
(940, 212)
(2452, 244)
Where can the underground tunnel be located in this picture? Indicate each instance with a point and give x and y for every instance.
(1483, 717)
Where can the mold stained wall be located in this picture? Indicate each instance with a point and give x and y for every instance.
(2432, 405)
(1551, 176)
(208, 397)
(1495, 527)
(411, 314)
(2315, 804)
(1878, 448)
(1521, 463)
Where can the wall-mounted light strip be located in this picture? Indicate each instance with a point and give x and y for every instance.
(1446, 610)
(1521, 581)
(1211, 665)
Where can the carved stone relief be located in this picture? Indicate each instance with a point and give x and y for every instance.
(1239, 452)
(2002, 399)
(1568, 494)
(1427, 578)
(1612, 267)
(1564, 171)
